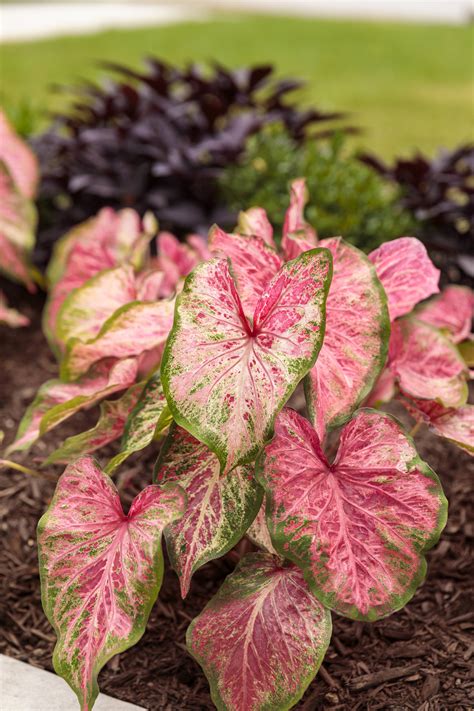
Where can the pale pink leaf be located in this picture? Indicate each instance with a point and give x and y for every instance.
(56, 400)
(262, 637)
(455, 424)
(19, 159)
(253, 264)
(219, 509)
(358, 527)
(256, 222)
(298, 236)
(383, 390)
(224, 379)
(407, 273)
(149, 285)
(356, 341)
(109, 427)
(259, 534)
(199, 245)
(452, 311)
(101, 569)
(133, 329)
(426, 364)
(9, 316)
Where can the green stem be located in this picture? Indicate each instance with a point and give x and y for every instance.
(415, 428)
(7, 464)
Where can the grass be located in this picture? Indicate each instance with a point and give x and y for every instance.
(409, 86)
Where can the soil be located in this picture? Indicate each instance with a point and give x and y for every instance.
(419, 658)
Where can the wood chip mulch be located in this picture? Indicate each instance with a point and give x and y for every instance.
(420, 658)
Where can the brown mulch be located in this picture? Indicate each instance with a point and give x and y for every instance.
(419, 658)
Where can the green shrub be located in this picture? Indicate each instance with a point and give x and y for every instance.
(346, 197)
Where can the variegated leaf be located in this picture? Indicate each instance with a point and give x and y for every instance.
(455, 424)
(133, 329)
(9, 316)
(356, 341)
(109, 427)
(298, 236)
(219, 509)
(255, 222)
(253, 264)
(19, 159)
(358, 528)
(452, 311)
(56, 400)
(101, 570)
(225, 379)
(259, 534)
(407, 273)
(262, 638)
(17, 231)
(426, 364)
(149, 417)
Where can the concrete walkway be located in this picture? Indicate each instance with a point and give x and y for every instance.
(27, 688)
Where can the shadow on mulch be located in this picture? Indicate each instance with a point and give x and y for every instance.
(419, 658)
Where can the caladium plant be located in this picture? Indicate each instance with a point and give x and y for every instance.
(212, 371)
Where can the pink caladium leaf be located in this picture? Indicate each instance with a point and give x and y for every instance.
(356, 341)
(56, 400)
(101, 569)
(146, 421)
(254, 264)
(133, 329)
(9, 316)
(262, 637)
(219, 509)
(358, 527)
(255, 222)
(19, 159)
(383, 391)
(407, 273)
(259, 534)
(298, 236)
(85, 309)
(426, 364)
(109, 427)
(452, 311)
(454, 424)
(17, 231)
(224, 378)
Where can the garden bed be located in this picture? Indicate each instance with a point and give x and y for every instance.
(419, 658)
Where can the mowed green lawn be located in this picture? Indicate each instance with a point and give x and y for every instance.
(409, 86)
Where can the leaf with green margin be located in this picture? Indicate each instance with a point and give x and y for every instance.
(426, 364)
(133, 329)
(356, 342)
(255, 222)
(359, 527)
(85, 310)
(149, 417)
(262, 637)
(225, 380)
(56, 400)
(219, 509)
(101, 569)
(110, 426)
(452, 310)
(259, 534)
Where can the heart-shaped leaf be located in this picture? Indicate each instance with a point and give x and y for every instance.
(358, 527)
(253, 264)
(219, 509)
(148, 418)
(356, 341)
(225, 379)
(101, 569)
(110, 426)
(133, 329)
(457, 425)
(19, 159)
(55, 401)
(255, 222)
(407, 273)
(452, 311)
(426, 364)
(262, 638)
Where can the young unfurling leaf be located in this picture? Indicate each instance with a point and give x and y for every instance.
(219, 509)
(358, 528)
(262, 638)
(225, 378)
(298, 236)
(101, 569)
